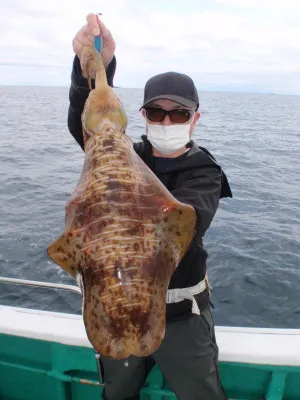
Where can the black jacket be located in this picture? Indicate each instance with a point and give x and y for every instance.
(194, 178)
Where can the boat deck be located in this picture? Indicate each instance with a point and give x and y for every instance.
(47, 355)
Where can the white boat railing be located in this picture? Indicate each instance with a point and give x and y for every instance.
(51, 285)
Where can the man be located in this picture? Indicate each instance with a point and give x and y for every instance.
(188, 355)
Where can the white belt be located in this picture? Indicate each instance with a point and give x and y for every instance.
(177, 295)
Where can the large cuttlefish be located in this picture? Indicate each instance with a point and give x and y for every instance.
(124, 232)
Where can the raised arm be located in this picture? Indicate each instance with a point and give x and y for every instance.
(79, 90)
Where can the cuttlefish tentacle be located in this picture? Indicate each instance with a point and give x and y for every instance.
(124, 232)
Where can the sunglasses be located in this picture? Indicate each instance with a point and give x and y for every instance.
(178, 116)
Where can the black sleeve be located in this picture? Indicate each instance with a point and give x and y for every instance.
(138, 147)
(78, 94)
(202, 191)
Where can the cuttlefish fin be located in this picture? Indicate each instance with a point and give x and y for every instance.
(60, 253)
(179, 227)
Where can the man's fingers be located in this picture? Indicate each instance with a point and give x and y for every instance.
(92, 21)
(87, 32)
(97, 27)
(86, 36)
(105, 32)
(81, 41)
(77, 47)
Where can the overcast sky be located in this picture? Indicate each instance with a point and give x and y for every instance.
(237, 45)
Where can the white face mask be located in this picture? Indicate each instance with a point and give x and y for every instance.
(168, 138)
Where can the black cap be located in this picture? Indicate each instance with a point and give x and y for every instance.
(171, 86)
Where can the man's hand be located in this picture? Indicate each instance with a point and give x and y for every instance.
(85, 36)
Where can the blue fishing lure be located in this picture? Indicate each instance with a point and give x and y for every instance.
(98, 43)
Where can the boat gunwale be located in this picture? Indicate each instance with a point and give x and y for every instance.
(236, 344)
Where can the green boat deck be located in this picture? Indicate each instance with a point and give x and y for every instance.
(47, 356)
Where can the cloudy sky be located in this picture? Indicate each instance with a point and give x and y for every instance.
(236, 45)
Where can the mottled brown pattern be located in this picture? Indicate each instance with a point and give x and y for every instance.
(124, 232)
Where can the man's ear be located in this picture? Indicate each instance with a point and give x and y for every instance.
(196, 117)
(143, 112)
